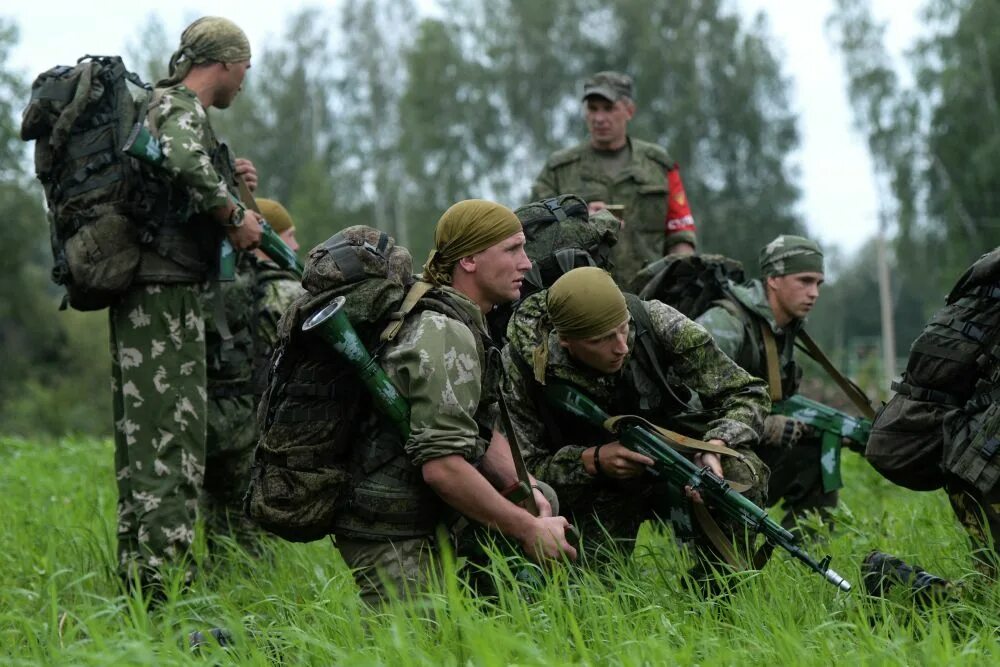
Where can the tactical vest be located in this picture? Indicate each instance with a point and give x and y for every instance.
(237, 364)
(182, 246)
(645, 387)
(389, 498)
(752, 356)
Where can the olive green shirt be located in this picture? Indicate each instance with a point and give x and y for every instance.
(435, 366)
(641, 187)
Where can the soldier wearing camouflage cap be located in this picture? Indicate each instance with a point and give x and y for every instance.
(619, 350)
(236, 373)
(444, 364)
(775, 306)
(614, 168)
(158, 327)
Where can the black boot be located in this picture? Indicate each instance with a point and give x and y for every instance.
(882, 571)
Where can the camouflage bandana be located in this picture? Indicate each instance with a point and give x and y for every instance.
(790, 254)
(276, 215)
(207, 40)
(466, 228)
(585, 303)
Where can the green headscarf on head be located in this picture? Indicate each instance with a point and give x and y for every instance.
(209, 39)
(790, 254)
(585, 303)
(466, 228)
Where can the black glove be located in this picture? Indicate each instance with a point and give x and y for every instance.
(783, 432)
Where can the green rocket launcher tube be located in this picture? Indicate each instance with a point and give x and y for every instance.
(279, 252)
(333, 326)
(679, 471)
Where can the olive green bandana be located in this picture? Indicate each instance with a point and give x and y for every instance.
(585, 303)
(207, 40)
(276, 215)
(466, 228)
(790, 254)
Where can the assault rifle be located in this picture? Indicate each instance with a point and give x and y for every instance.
(635, 434)
(834, 427)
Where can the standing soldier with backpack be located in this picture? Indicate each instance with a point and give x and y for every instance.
(756, 325)
(612, 168)
(158, 326)
(237, 366)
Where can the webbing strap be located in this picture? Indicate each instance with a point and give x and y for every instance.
(715, 535)
(416, 293)
(851, 390)
(928, 395)
(773, 366)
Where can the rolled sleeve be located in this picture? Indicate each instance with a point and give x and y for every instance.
(436, 367)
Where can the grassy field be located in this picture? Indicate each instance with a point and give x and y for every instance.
(60, 602)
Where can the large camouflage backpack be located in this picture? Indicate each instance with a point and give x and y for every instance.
(81, 119)
(690, 283)
(560, 235)
(314, 403)
(945, 415)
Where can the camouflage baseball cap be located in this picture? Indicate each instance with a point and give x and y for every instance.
(610, 85)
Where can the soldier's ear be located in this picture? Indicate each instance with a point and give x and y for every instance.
(563, 343)
(468, 264)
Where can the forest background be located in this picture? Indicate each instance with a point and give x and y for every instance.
(374, 113)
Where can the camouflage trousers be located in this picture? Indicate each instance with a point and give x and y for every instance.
(232, 436)
(158, 380)
(797, 479)
(979, 514)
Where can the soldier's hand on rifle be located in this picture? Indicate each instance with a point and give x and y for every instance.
(248, 172)
(247, 235)
(714, 464)
(615, 460)
(546, 540)
(784, 432)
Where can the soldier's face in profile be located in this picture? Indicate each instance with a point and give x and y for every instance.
(231, 82)
(605, 353)
(796, 293)
(607, 121)
(500, 269)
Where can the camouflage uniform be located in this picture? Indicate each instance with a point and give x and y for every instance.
(448, 375)
(158, 347)
(552, 442)
(237, 363)
(641, 187)
(796, 476)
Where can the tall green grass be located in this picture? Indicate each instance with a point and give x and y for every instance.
(60, 602)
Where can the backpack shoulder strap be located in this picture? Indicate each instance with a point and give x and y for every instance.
(772, 360)
(414, 295)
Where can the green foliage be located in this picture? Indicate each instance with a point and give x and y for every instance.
(61, 602)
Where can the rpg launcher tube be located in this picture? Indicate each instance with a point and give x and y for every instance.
(279, 252)
(332, 325)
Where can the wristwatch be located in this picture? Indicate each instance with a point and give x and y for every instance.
(236, 217)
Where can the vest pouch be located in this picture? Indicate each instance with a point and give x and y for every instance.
(102, 258)
(906, 443)
(971, 446)
(295, 500)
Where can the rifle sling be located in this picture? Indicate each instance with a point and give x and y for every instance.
(686, 444)
(849, 388)
(771, 357)
(715, 535)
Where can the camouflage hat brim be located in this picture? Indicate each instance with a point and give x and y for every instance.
(607, 92)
